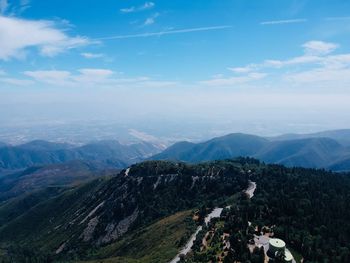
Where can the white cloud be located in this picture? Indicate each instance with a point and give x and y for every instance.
(321, 76)
(231, 81)
(288, 21)
(52, 77)
(317, 67)
(128, 10)
(93, 75)
(132, 9)
(17, 36)
(330, 71)
(319, 47)
(96, 72)
(336, 61)
(16, 82)
(314, 53)
(90, 77)
(305, 59)
(246, 69)
(65, 78)
(92, 55)
(151, 20)
(148, 5)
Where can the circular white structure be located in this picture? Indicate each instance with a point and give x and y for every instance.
(288, 257)
(276, 245)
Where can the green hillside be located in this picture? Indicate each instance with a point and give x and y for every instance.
(156, 243)
(146, 214)
(104, 210)
(55, 175)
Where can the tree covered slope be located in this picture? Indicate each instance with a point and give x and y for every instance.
(145, 214)
(104, 210)
(55, 175)
(306, 152)
(41, 152)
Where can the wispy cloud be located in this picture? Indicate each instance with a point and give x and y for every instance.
(148, 5)
(288, 21)
(4, 5)
(92, 55)
(245, 69)
(338, 18)
(319, 47)
(24, 5)
(151, 20)
(315, 52)
(133, 9)
(231, 81)
(5, 79)
(13, 9)
(16, 82)
(92, 77)
(18, 36)
(168, 32)
(318, 67)
(128, 10)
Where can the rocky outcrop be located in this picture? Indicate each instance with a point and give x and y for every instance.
(114, 231)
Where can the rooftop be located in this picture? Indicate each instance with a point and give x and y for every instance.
(276, 242)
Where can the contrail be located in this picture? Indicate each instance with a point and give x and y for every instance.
(338, 18)
(277, 22)
(169, 32)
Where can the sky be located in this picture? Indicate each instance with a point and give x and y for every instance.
(257, 66)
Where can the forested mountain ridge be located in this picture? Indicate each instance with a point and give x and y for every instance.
(308, 209)
(36, 153)
(342, 136)
(307, 152)
(54, 175)
(104, 210)
(232, 145)
(116, 217)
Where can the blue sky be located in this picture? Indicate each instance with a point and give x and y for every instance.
(253, 58)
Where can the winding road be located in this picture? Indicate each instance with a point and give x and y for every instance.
(214, 214)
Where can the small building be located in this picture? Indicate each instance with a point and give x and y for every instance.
(276, 245)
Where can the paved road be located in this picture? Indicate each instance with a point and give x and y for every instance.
(214, 214)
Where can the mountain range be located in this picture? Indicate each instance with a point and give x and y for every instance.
(53, 175)
(328, 150)
(312, 152)
(110, 153)
(342, 136)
